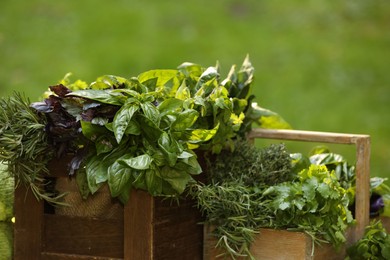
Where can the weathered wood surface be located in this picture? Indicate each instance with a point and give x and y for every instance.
(28, 224)
(150, 228)
(162, 229)
(272, 244)
(83, 236)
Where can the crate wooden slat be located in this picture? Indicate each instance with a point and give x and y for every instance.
(273, 244)
(83, 236)
(28, 225)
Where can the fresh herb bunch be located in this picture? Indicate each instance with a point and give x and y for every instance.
(251, 166)
(233, 201)
(343, 170)
(235, 212)
(315, 203)
(24, 146)
(375, 244)
(142, 132)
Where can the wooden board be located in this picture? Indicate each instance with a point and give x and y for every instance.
(272, 244)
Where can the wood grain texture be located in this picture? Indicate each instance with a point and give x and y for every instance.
(83, 236)
(138, 230)
(62, 256)
(28, 212)
(161, 229)
(272, 244)
(178, 233)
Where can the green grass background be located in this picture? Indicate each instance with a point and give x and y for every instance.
(322, 65)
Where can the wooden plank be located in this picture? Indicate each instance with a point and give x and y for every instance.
(362, 143)
(83, 236)
(272, 244)
(307, 136)
(61, 256)
(178, 233)
(28, 224)
(138, 231)
(362, 196)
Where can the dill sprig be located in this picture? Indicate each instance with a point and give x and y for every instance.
(23, 145)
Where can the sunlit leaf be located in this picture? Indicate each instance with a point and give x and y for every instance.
(141, 162)
(103, 96)
(202, 135)
(185, 120)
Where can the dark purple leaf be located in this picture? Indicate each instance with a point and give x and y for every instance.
(60, 90)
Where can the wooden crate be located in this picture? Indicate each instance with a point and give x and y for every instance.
(145, 228)
(282, 244)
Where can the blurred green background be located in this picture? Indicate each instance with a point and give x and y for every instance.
(322, 65)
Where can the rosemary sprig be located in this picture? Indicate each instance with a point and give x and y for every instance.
(23, 145)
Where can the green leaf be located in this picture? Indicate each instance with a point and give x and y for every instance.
(185, 120)
(104, 96)
(96, 171)
(169, 106)
(170, 148)
(111, 81)
(141, 162)
(202, 135)
(133, 128)
(161, 76)
(151, 112)
(139, 180)
(153, 182)
(104, 144)
(176, 178)
(189, 165)
(183, 92)
(82, 183)
(119, 176)
(125, 195)
(92, 131)
(122, 119)
(149, 129)
(266, 118)
(210, 73)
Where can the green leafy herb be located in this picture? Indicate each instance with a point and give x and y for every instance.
(315, 204)
(147, 127)
(375, 244)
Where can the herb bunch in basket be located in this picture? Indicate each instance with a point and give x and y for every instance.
(252, 188)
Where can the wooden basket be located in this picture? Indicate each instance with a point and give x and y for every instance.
(145, 228)
(282, 244)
